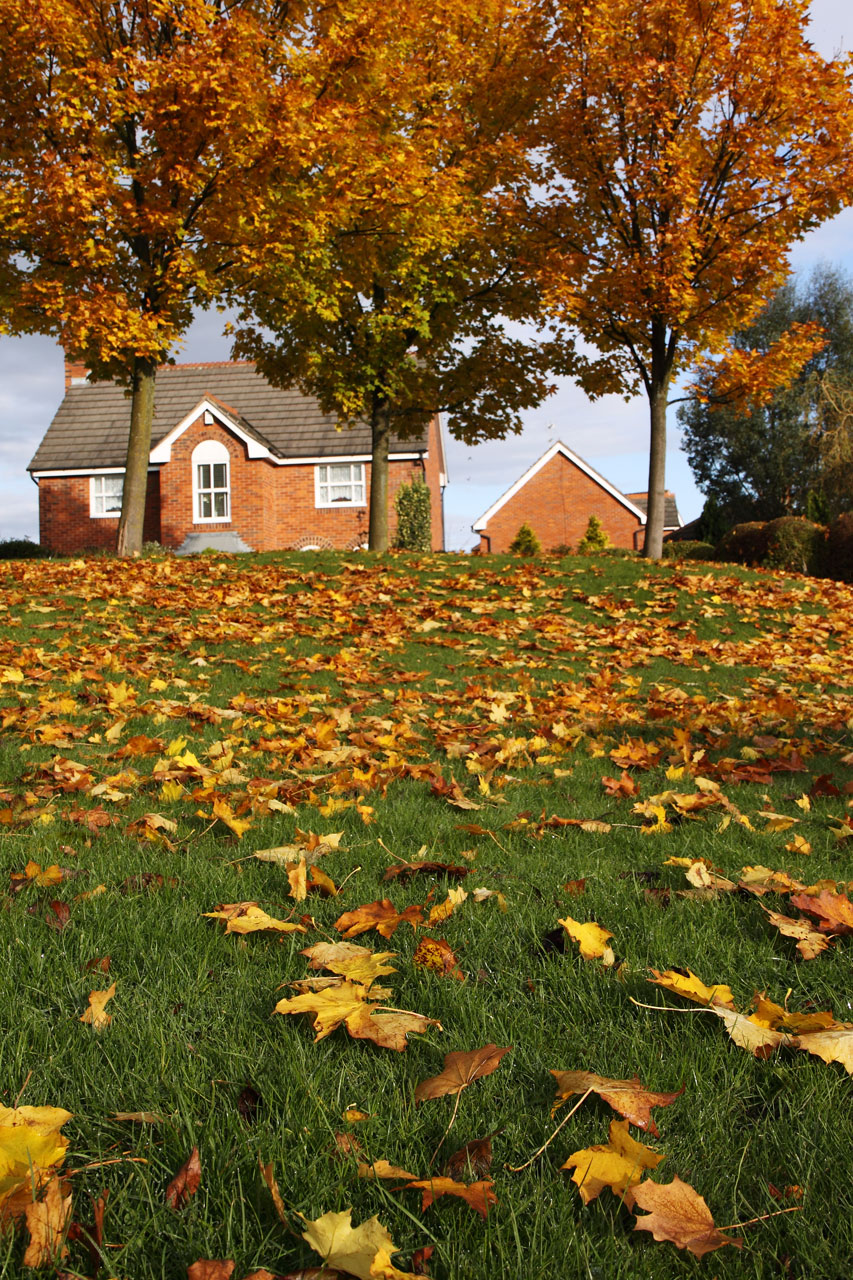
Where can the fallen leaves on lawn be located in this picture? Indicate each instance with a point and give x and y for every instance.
(248, 917)
(47, 1222)
(186, 1182)
(363, 1251)
(591, 939)
(95, 1015)
(461, 1069)
(381, 916)
(479, 1195)
(436, 955)
(31, 1147)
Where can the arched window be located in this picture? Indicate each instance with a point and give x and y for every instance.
(211, 482)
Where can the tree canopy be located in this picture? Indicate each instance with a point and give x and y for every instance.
(760, 461)
(687, 145)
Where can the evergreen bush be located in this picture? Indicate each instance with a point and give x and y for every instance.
(22, 549)
(525, 542)
(595, 539)
(688, 550)
(744, 544)
(414, 517)
(794, 544)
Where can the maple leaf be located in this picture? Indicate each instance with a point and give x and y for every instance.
(833, 911)
(832, 1045)
(619, 1165)
(363, 1251)
(247, 917)
(475, 1157)
(30, 1147)
(629, 1097)
(409, 869)
(223, 811)
(382, 1169)
(381, 916)
(760, 880)
(348, 1004)
(444, 909)
(95, 1014)
(359, 964)
(591, 939)
(749, 1032)
(677, 1213)
(211, 1269)
(460, 1070)
(435, 954)
(47, 1222)
(479, 1195)
(186, 1182)
(692, 988)
(810, 943)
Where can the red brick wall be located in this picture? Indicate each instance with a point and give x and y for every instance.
(66, 527)
(557, 503)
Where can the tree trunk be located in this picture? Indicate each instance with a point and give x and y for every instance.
(132, 518)
(380, 423)
(657, 387)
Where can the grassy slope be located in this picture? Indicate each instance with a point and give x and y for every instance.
(595, 648)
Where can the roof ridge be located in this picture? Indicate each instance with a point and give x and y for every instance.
(207, 364)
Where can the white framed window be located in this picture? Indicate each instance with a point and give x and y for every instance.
(105, 494)
(211, 466)
(340, 484)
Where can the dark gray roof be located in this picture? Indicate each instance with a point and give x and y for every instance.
(92, 424)
(671, 518)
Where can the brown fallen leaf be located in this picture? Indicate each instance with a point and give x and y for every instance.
(381, 916)
(460, 1070)
(140, 1117)
(479, 1195)
(591, 939)
(618, 1165)
(272, 1186)
(629, 1097)
(47, 1221)
(833, 911)
(436, 955)
(677, 1213)
(95, 1015)
(832, 1045)
(409, 869)
(185, 1183)
(210, 1269)
(475, 1159)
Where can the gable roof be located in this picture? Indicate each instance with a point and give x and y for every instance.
(570, 456)
(91, 426)
(671, 518)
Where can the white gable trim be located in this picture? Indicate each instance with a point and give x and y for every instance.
(558, 448)
(162, 452)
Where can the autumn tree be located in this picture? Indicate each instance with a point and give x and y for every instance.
(399, 309)
(687, 145)
(785, 456)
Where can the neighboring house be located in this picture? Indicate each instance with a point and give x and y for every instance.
(671, 518)
(556, 497)
(235, 464)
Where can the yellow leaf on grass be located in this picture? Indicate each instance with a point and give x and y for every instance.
(296, 877)
(693, 988)
(619, 1165)
(223, 811)
(363, 1251)
(359, 964)
(30, 1145)
(833, 1045)
(95, 1014)
(591, 939)
(382, 1169)
(247, 917)
(455, 898)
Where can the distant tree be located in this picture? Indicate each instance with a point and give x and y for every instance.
(686, 146)
(399, 309)
(790, 456)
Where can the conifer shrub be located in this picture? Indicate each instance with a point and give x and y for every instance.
(688, 550)
(595, 539)
(22, 549)
(414, 517)
(525, 542)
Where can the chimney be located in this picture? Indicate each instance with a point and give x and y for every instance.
(75, 372)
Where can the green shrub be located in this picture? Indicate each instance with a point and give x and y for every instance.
(688, 550)
(595, 539)
(744, 544)
(22, 549)
(794, 544)
(838, 550)
(414, 517)
(525, 542)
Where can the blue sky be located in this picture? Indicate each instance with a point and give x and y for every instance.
(610, 434)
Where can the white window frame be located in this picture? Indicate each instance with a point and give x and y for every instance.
(210, 453)
(323, 485)
(98, 495)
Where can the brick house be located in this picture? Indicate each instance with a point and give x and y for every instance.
(556, 497)
(235, 463)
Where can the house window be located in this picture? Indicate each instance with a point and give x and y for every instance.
(211, 482)
(340, 484)
(105, 495)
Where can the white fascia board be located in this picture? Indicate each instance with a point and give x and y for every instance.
(330, 458)
(83, 471)
(162, 452)
(567, 453)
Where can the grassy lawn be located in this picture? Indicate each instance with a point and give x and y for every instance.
(164, 720)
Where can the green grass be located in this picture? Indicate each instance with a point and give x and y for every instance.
(355, 674)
